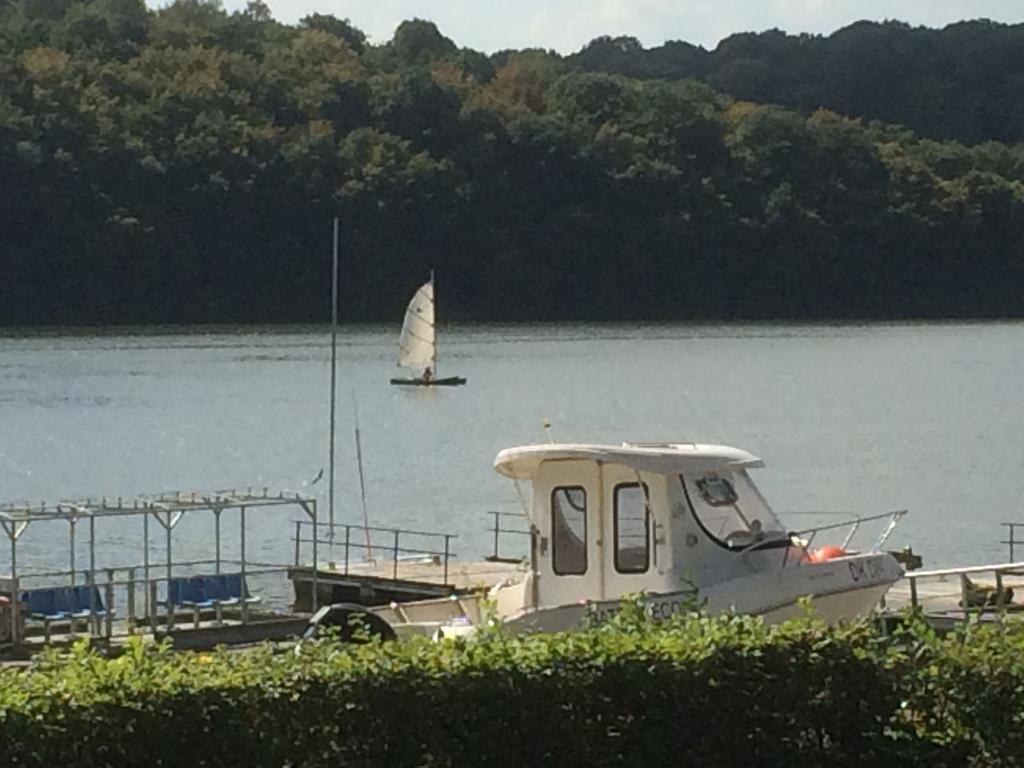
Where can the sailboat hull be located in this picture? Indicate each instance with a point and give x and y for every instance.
(450, 381)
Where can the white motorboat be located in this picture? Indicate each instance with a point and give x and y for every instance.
(676, 523)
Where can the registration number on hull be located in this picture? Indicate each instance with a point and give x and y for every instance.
(866, 570)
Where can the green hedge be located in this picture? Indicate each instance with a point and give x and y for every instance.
(696, 691)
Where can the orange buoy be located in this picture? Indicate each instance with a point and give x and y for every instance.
(828, 552)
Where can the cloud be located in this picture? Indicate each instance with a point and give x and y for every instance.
(568, 26)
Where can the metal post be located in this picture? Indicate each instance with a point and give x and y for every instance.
(1000, 600)
(151, 599)
(447, 537)
(913, 592)
(150, 607)
(16, 613)
(131, 601)
(1012, 542)
(245, 603)
(395, 567)
(216, 528)
(316, 560)
(71, 523)
(110, 606)
(348, 541)
(963, 595)
(93, 619)
(334, 365)
(169, 573)
(15, 590)
(497, 527)
(298, 537)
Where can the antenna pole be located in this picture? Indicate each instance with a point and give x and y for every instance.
(334, 376)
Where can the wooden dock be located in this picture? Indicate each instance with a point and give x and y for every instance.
(388, 581)
(952, 596)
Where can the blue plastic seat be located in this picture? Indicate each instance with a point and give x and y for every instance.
(193, 594)
(182, 592)
(173, 592)
(41, 604)
(216, 588)
(63, 604)
(236, 588)
(85, 599)
(66, 600)
(208, 591)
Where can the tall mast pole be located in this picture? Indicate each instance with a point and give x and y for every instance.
(433, 300)
(362, 482)
(334, 374)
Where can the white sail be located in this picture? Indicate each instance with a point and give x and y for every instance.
(417, 346)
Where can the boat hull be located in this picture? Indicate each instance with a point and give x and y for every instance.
(832, 593)
(450, 381)
(833, 608)
(844, 589)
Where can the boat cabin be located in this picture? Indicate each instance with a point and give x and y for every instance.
(606, 521)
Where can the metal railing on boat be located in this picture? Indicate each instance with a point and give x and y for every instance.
(366, 540)
(804, 539)
(498, 530)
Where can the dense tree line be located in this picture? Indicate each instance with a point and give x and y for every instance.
(183, 165)
(963, 82)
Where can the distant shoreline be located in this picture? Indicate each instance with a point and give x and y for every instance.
(14, 332)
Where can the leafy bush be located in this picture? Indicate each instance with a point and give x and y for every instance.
(694, 691)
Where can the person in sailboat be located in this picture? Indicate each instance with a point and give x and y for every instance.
(428, 374)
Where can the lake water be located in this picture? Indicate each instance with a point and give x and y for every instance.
(863, 419)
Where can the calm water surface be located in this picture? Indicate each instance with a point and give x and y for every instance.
(849, 418)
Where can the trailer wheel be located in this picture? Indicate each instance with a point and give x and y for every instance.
(352, 623)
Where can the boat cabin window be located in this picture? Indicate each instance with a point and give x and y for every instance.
(569, 530)
(632, 529)
(717, 491)
(730, 510)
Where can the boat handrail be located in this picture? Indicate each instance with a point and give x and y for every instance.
(808, 534)
(805, 538)
(498, 531)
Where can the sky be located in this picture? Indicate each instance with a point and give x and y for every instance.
(567, 25)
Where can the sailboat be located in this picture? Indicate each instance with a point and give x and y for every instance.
(417, 346)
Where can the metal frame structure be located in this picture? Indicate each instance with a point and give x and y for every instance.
(166, 508)
(429, 544)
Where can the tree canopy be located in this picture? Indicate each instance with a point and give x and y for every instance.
(183, 165)
(962, 82)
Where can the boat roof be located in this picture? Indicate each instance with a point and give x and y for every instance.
(523, 462)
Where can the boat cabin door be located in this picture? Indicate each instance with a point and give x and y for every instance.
(627, 533)
(568, 506)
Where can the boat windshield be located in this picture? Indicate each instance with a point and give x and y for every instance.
(730, 509)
